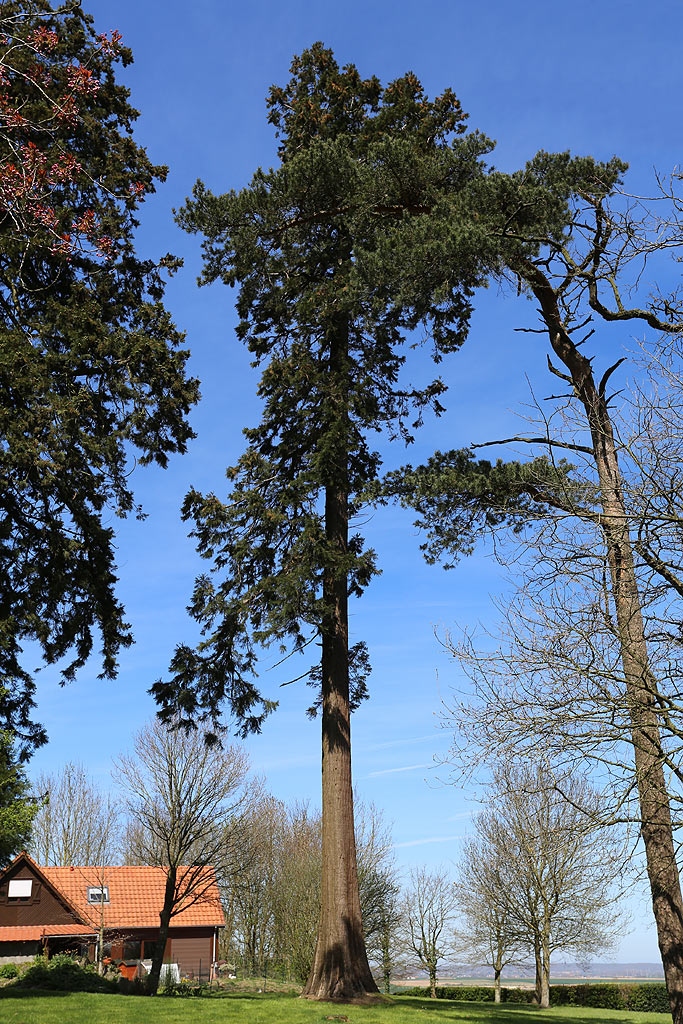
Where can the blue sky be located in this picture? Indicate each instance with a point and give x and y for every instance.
(601, 78)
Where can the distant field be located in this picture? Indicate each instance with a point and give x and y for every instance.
(22, 1007)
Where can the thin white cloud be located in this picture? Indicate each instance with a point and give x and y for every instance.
(430, 839)
(458, 817)
(436, 734)
(405, 768)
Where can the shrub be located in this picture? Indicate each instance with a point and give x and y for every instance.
(9, 971)
(645, 997)
(471, 993)
(64, 974)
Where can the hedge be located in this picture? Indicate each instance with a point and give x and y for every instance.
(650, 997)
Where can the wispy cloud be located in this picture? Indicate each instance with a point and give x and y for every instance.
(435, 735)
(405, 768)
(458, 817)
(429, 839)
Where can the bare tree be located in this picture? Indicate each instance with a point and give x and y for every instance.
(274, 900)
(385, 946)
(185, 796)
(590, 272)
(251, 893)
(430, 904)
(487, 933)
(553, 874)
(77, 822)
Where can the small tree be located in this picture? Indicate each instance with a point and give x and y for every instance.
(487, 933)
(76, 822)
(430, 905)
(385, 943)
(185, 796)
(556, 874)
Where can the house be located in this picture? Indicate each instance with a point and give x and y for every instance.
(57, 909)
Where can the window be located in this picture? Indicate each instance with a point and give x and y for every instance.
(98, 894)
(132, 949)
(20, 889)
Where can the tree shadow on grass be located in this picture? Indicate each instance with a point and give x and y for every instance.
(507, 1013)
(15, 992)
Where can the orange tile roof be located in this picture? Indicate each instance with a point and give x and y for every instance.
(136, 896)
(25, 933)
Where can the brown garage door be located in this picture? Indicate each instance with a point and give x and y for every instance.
(193, 956)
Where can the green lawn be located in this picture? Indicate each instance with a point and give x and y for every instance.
(21, 1007)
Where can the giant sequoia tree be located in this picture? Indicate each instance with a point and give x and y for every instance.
(90, 364)
(305, 245)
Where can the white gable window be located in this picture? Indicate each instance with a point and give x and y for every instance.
(20, 888)
(98, 894)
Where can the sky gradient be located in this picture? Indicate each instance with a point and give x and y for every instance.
(602, 78)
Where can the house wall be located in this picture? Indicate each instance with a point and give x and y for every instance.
(18, 952)
(42, 907)
(192, 954)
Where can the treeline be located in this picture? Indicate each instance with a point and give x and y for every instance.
(531, 881)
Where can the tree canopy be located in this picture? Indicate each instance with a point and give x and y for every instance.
(91, 368)
(324, 314)
(17, 806)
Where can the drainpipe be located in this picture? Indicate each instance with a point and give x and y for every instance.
(213, 958)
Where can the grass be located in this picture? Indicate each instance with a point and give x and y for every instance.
(32, 1007)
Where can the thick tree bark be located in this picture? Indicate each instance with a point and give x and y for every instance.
(496, 984)
(164, 924)
(432, 981)
(641, 687)
(340, 968)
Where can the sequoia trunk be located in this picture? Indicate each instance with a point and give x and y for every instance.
(340, 968)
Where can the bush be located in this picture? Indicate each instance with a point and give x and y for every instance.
(64, 974)
(471, 993)
(9, 971)
(649, 997)
(646, 997)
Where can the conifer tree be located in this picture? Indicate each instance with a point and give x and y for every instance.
(91, 367)
(305, 245)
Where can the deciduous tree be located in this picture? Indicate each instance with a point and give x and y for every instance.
(546, 881)
(560, 234)
(186, 796)
(77, 822)
(430, 905)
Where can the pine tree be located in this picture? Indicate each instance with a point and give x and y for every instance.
(304, 243)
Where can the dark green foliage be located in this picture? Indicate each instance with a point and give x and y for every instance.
(9, 971)
(90, 372)
(184, 989)
(647, 997)
(304, 242)
(472, 993)
(64, 974)
(460, 498)
(644, 997)
(17, 806)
